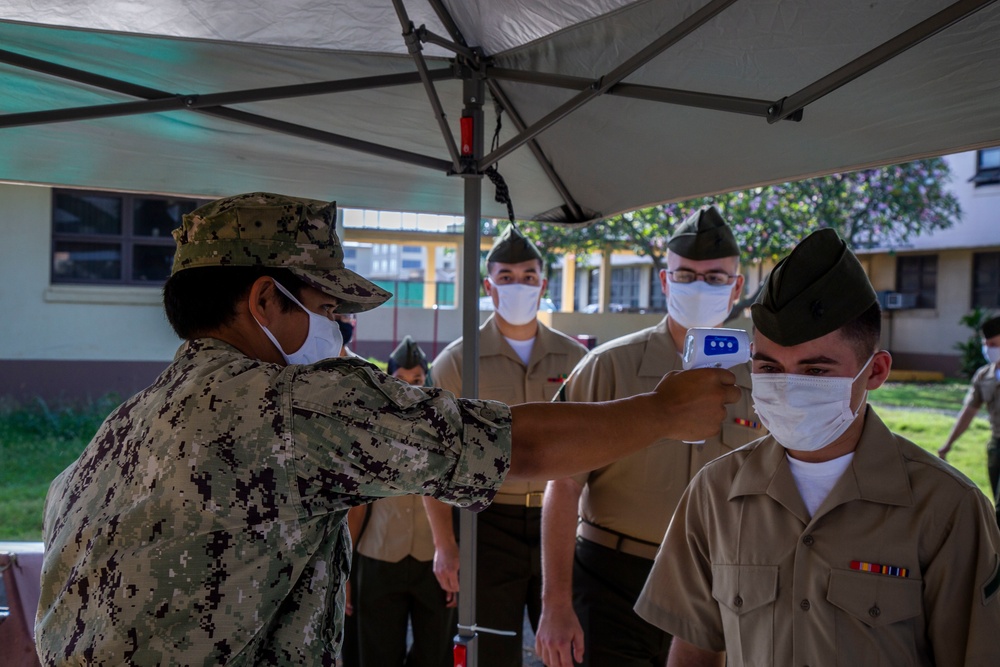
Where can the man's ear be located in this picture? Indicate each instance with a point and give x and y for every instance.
(488, 286)
(881, 365)
(263, 300)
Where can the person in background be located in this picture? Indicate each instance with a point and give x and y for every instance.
(520, 360)
(832, 540)
(347, 323)
(395, 583)
(619, 513)
(205, 523)
(983, 390)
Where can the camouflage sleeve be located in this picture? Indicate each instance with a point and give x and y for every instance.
(360, 434)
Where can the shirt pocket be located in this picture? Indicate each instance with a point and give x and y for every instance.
(988, 389)
(878, 619)
(746, 595)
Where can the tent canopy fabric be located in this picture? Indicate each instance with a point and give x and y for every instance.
(630, 103)
(609, 105)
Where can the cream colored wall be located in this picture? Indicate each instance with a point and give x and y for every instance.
(44, 322)
(605, 327)
(86, 322)
(929, 330)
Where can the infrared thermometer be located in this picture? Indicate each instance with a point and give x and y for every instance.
(714, 348)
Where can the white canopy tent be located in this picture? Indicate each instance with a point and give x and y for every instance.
(609, 105)
(689, 117)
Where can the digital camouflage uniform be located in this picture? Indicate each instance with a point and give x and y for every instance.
(205, 522)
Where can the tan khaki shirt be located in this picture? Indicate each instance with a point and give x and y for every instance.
(983, 391)
(636, 495)
(504, 377)
(397, 527)
(744, 569)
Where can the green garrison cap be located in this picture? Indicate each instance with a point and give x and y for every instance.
(991, 327)
(818, 288)
(407, 355)
(704, 235)
(265, 229)
(512, 247)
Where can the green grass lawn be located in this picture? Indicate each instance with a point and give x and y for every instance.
(37, 443)
(946, 395)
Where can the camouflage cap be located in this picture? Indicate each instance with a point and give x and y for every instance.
(818, 288)
(704, 235)
(512, 247)
(265, 229)
(407, 355)
(991, 327)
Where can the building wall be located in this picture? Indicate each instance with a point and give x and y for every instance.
(79, 342)
(69, 341)
(924, 338)
(75, 341)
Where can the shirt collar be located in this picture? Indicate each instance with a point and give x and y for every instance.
(877, 474)
(660, 356)
(492, 342)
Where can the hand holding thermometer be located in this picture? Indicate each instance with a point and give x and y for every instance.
(705, 347)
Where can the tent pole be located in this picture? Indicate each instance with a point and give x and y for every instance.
(658, 46)
(877, 56)
(412, 39)
(473, 92)
(536, 150)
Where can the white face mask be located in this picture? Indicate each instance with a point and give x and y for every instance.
(802, 412)
(699, 304)
(518, 304)
(992, 354)
(323, 341)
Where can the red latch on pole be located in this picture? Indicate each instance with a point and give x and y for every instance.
(467, 127)
(461, 657)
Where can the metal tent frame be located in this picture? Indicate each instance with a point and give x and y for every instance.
(468, 159)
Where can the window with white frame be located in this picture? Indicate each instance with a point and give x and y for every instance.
(625, 286)
(986, 280)
(987, 167)
(917, 275)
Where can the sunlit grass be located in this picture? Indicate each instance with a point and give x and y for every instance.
(38, 442)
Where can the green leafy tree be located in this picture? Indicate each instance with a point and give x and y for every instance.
(868, 208)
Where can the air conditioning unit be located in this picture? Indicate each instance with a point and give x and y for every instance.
(899, 301)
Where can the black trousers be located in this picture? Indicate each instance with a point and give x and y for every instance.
(508, 580)
(388, 597)
(606, 585)
(349, 651)
(993, 469)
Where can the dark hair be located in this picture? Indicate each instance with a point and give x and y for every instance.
(204, 298)
(864, 331)
(391, 366)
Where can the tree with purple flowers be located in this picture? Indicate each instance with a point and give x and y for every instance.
(880, 207)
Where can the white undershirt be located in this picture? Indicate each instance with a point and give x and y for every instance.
(522, 347)
(816, 480)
